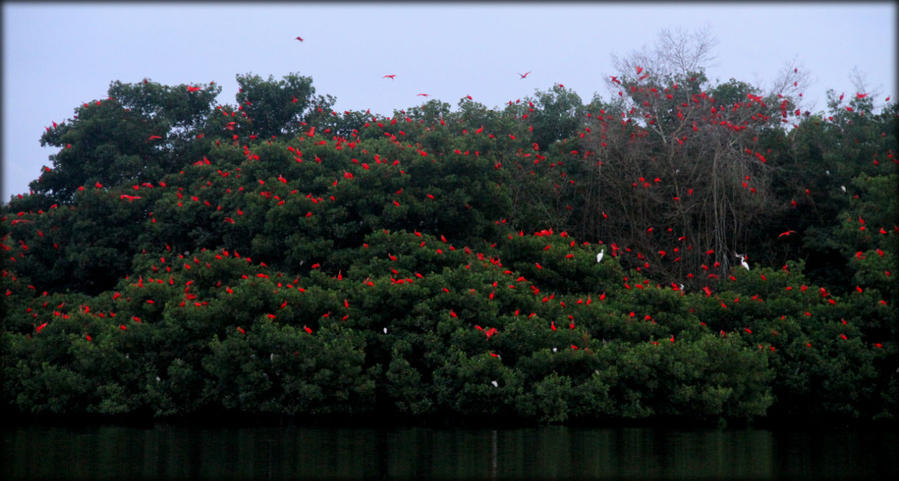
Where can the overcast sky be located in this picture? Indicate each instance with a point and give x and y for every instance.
(57, 56)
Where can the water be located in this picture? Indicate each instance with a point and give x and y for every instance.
(552, 452)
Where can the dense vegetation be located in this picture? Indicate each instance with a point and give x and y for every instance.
(181, 257)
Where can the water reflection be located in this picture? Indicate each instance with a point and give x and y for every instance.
(552, 452)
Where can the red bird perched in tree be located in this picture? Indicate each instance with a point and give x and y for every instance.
(782, 234)
(154, 137)
(300, 38)
(391, 76)
(192, 89)
(524, 75)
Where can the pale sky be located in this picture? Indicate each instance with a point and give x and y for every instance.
(57, 56)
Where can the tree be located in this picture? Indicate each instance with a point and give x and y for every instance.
(678, 170)
(556, 115)
(445, 262)
(141, 132)
(276, 108)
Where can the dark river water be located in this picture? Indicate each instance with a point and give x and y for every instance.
(552, 452)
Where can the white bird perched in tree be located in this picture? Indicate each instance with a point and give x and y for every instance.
(599, 256)
(843, 188)
(495, 384)
(743, 261)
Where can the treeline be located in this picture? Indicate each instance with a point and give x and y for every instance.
(275, 256)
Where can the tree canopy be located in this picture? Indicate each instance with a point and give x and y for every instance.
(276, 257)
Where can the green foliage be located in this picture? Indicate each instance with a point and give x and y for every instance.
(278, 257)
(141, 132)
(556, 115)
(276, 107)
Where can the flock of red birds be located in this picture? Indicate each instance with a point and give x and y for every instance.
(188, 264)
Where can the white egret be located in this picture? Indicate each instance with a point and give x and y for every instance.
(495, 384)
(599, 256)
(743, 261)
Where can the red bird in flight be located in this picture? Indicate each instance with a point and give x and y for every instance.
(300, 38)
(524, 75)
(391, 76)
